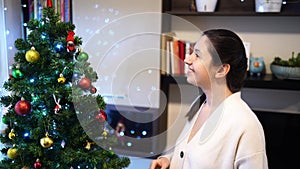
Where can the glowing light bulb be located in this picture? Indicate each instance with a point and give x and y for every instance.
(129, 144)
(132, 131)
(26, 135)
(144, 133)
(122, 133)
(31, 80)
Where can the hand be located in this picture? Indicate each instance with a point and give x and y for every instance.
(160, 163)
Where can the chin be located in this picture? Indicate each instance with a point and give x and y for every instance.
(191, 80)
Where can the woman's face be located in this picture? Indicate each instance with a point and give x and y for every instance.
(200, 69)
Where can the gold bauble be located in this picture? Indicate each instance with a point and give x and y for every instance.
(61, 79)
(12, 153)
(88, 145)
(32, 55)
(46, 141)
(25, 167)
(104, 133)
(12, 134)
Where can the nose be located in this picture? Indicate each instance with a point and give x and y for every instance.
(188, 60)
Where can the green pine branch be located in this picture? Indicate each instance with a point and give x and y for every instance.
(71, 125)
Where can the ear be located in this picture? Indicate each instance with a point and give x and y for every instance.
(222, 71)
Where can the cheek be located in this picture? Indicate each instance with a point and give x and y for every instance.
(200, 69)
(201, 74)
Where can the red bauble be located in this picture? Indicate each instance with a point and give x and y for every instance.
(93, 90)
(37, 164)
(23, 107)
(85, 83)
(102, 116)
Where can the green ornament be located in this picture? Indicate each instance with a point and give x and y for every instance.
(16, 73)
(83, 56)
(4, 120)
(111, 153)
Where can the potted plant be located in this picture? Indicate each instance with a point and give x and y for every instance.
(286, 69)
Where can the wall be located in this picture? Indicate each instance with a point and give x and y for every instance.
(3, 49)
(180, 99)
(10, 30)
(122, 39)
(269, 36)
(3, 63)
(13, 26)
(271, 100)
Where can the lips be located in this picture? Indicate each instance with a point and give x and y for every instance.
(190, 72)
(191, 69)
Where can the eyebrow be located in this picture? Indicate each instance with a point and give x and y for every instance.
(197, 51)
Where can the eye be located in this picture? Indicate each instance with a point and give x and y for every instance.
(197, 52)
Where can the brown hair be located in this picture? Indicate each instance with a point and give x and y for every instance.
(229, 49)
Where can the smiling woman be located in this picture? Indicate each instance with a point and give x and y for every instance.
(218, 67)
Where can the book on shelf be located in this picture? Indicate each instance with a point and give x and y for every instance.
(187, 52)
(165, 49)
(181, 55)
(247, 46)
(62, 7)
(175, 58)
(34, 10)
(174, 51)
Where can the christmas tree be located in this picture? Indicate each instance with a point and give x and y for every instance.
(55, 118)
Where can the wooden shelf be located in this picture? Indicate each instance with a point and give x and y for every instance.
(227, 13)
(228, 8)
(267, 81)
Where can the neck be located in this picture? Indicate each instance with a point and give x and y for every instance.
(217, 96)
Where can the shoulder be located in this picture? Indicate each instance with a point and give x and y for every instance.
(235, 107)
(239, 116)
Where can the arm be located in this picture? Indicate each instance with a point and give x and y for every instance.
(163, 161)
(258, 160)
(160, 163)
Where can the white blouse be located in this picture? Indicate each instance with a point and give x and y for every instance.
(231, 138)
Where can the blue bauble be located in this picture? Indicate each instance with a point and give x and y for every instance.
(59, 47)
(76, 75)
